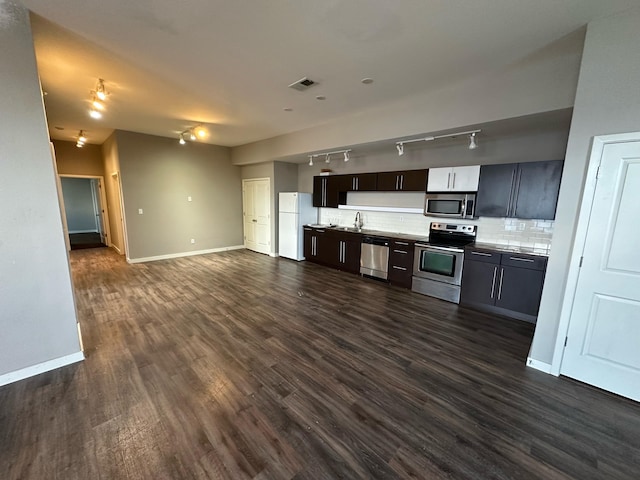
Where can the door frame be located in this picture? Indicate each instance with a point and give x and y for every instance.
(597, 150)
(102, 198)
(115, 176)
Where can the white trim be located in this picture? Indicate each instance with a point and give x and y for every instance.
(113, 245)
(40, 368)
(274, 255)
(597, 150)
(184, 254)
(83, 231)
(538, 365)
(381, 209)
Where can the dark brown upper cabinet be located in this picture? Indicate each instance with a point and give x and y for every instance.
(403, 181)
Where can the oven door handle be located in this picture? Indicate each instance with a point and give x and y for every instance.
(445, 249)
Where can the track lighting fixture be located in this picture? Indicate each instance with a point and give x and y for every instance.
(98, 96)
(470, 133)
(81, 139)
(327, 156)
(472, 141)
(101, 92)
(192, 133)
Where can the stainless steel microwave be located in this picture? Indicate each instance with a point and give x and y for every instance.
(450, 205)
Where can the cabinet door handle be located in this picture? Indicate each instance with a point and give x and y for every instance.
(344, 252)
(358, 183)
(454, 181)
(401, 182)
(522, 259)
(500, 286)
(398, 268)
(404, 252)
(512, 192)
(493, 281)
(482, 254)
(515, 197)
(397, 181)
(320, 231)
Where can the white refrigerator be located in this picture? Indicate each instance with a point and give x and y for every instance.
(295, 210)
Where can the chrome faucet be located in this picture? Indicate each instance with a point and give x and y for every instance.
(358, 222)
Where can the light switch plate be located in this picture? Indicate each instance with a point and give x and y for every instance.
(140, 211)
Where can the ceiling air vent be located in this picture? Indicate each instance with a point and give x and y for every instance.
(302, 84)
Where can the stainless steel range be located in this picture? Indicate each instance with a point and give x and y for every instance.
(437, 267)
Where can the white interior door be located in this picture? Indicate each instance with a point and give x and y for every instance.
(603, 341)
(256, 195)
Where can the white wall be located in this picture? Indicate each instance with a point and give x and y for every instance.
(37, 312)
(607, 101)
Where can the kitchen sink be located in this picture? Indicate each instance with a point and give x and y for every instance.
(348, 229)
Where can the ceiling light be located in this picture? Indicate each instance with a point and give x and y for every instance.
(201, 132)
(471, 133)
(472, 141)
(311, 160)
(192, 136)
(81, 137)
(321, 97)
(101, 92)
(327, 155)
(367, 81)
(327, 158)
(79, 145)
(181, 141)
(346, 155)
(97, 104)
(93, 113)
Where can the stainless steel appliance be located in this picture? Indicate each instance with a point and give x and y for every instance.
(451, 205)
(374, 257)
(437, 265)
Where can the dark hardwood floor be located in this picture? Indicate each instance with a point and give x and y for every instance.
(241, 366)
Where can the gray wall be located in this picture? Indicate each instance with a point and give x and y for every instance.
(515, 147)
(544, 81)
(158, 175)
(111, 167)
(607, 101)
(78, 205)
(37, 312)
(72, 160)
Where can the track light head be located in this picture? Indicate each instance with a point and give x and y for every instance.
(192, 136)
(327, 158)
(311, 160)
(400, 147)
(93, 113)
(81, 138)
(181, 141)
(346, 155)
(101, 92)
(472, 141)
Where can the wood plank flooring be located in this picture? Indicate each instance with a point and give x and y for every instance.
(241, 366)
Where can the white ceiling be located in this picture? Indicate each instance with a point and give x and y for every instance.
(171, 65)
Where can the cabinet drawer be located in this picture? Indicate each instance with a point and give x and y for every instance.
(399, 276)
(533, 262)
(405, 261)
(482, 255)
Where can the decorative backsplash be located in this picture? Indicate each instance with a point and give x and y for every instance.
(535, 234)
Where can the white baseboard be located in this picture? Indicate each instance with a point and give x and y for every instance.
(184, 254)
(274, 255)
(40, 368)
(538, 365)
(83, 231)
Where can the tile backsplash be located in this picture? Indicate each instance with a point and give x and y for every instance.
(535, 234)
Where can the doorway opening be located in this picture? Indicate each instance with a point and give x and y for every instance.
(85, 211)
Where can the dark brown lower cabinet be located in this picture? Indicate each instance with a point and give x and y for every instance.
(333, 248)
(505, 283)
(401, 262)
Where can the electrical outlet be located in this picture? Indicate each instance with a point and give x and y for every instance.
(188, 198)
(193, 240)
(140, 212)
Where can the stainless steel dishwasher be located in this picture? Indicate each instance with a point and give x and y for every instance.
(374, 257)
